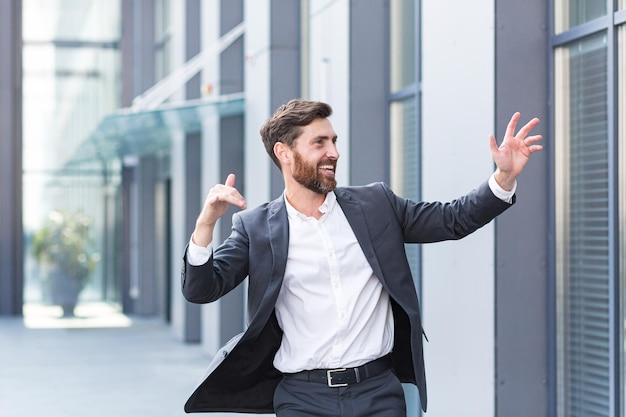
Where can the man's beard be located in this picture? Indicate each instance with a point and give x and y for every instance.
(309, 176)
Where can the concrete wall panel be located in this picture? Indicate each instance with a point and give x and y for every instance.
(458, 277)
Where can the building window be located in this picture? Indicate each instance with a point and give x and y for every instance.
(582, 213)
(404, 148)
(404, 152)
(589, 41)
(163, 38)
(404, 126)
(571, 13)
(71, 76)
(404, 107)
(404, 167)
(403, 40)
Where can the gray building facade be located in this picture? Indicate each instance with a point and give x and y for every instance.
(525, 317)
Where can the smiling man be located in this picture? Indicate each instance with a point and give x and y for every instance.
(334, 317)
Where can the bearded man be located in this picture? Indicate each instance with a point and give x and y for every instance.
(334, 315)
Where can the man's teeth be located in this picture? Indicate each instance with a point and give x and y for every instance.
(329, 167)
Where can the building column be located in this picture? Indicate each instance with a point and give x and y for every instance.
(458, 282)
(272, 77)
(329, 70)
(144, 286)
(11, 238)
(369, 48)
(186, 169)
(523, 233)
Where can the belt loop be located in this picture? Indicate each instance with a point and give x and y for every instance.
(357, 374)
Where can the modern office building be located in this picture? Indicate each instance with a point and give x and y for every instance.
(130, 110)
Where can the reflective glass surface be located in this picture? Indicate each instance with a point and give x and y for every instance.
(404, 164)
(71, 68)
(403, 44)
(571, 13)
(582, 225)
(128, 133)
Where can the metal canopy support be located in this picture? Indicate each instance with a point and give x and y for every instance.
(164, 89)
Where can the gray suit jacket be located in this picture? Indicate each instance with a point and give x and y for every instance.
(241, 377)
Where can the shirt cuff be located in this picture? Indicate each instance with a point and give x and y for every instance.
(502, 194)
(198, 255)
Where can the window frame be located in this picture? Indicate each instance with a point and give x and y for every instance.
(608, 23)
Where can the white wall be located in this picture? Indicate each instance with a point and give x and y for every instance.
(177, 205)
(458, 277)
(328, 81)
(258, 165)
(210, 10)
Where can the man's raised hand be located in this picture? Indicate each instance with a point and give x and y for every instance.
(514, 151)
(215, 205)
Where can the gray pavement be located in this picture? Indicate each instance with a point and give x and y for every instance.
(99, 364)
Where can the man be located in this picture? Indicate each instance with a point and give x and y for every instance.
(334, 316)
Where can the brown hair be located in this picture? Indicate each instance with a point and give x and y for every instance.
(286, 122)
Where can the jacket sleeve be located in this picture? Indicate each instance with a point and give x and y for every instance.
(426, 222)
(226, 268)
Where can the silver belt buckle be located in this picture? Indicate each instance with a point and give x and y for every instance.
(329, 378)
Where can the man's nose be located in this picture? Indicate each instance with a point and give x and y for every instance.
(332, 151)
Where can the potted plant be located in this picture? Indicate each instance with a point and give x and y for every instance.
(63, 246)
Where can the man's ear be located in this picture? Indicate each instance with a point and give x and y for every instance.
(282, 152)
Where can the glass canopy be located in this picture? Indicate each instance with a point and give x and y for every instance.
(128, 132)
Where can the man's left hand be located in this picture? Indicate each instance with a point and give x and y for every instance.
(514, 151)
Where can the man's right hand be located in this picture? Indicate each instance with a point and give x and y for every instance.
(215, 205)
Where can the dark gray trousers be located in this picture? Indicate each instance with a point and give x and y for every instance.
(379, 396)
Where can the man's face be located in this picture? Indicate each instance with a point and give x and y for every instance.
(315, 157)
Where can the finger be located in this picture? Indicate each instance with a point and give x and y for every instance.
(235, 199)
(230, 180)
(535, 148)
(528, 127)
(510, 128)
(233, 196)
(532, 139)
(493, 145)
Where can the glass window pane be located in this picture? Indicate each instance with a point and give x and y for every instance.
(404, 180)
(582, 210)
(403, 44)
(570, 13)
(404, 148)
(404, 157)
(163, 39)
(71, 75)
(97, 20)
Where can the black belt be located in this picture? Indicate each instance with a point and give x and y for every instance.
(342, 377)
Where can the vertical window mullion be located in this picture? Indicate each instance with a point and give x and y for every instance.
(613, 179)
(621, 163)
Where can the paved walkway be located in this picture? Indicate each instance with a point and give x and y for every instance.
(97, 365)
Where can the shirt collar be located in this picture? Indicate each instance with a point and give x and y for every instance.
(326, 207)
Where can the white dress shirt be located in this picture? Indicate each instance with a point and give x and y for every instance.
(331, 307)
(333, 310)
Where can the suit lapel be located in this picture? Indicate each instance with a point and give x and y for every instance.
(354, 214)
(278, 226)
(278, 230)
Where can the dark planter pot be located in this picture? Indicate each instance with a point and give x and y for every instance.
(64, 290)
